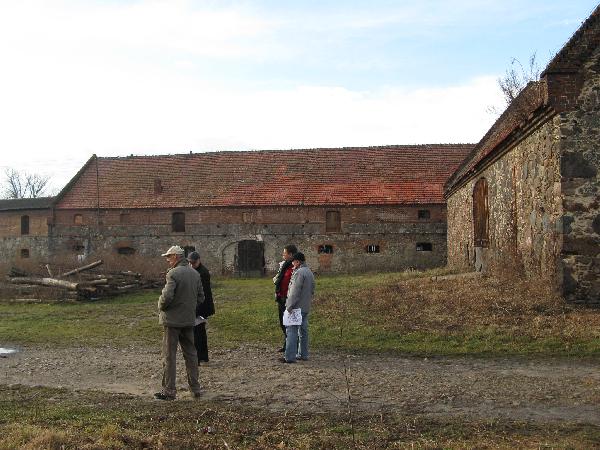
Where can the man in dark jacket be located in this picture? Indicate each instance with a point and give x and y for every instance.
(204, 310)
(282, 281)
(177, 307)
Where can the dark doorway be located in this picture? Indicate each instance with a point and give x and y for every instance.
(481, 214)
(250, 259)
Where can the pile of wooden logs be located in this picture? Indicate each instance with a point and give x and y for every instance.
(81, 284)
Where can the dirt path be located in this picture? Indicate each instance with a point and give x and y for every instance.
(538, 390)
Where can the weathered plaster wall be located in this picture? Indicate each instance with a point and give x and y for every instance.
(524, 209)
(580, 170)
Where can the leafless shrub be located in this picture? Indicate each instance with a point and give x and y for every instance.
(515, 80)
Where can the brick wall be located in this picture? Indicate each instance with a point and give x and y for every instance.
(397, 237)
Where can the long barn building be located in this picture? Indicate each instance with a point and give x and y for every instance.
(348, 209)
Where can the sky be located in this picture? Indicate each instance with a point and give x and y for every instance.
(148, 77)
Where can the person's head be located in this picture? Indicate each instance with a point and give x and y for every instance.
(194, 259)
(289, 251)
(298, 259)
(173, 255)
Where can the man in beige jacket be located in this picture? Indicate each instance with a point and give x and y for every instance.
(177, 313)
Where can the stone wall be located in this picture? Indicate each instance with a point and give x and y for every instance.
(401, 239)
(524, 209)
(580, 170)
(16, 246)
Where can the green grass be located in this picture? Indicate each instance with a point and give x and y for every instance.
(392, 312)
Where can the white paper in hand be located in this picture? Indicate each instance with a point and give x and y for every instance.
(293, 318)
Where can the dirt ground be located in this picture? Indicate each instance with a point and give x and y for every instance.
(528, 389)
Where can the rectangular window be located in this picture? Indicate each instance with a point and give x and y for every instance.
(178, 222)
(24, 253)
(373, 248)
(124, 218)
(326, 249)
(424, 214)
(78, 219)
(24, 224)
(333, 221)
(424, 246)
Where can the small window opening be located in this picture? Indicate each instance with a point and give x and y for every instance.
(178, 222)
(247, 217)
(424, 246)
(333, 221)
(78, 247)
(424, 214)
(24, 253)
(326, 249)
(373, 248)
(126, 250)
(158, 186)
(24, 224)
(124, 218)
(78, 219)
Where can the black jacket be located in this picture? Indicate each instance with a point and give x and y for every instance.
(206, 308)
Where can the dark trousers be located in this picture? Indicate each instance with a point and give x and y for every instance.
(201, 342)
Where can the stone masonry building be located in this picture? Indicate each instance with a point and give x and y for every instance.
(527, 198)
(349, 209)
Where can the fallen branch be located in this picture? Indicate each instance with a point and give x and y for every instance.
(81, 269)
(53, 282)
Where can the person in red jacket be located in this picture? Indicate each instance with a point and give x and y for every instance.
(282, 282)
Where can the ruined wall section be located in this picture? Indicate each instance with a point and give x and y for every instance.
(402, 239)
(524, 209)
(580, 170)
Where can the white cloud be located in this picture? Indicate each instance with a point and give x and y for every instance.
(117, 79)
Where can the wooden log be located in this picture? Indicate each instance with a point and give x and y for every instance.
(129, 273)
(15, 272)
(49, 271)
(52, 282)
(82, 268)
(92, 283)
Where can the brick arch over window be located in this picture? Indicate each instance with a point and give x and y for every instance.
(481, 214)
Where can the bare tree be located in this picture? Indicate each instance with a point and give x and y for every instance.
(24, 185)
(516, 78)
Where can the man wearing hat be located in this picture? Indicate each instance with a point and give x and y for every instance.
(300, 295)
(177, 313)
(205, 309)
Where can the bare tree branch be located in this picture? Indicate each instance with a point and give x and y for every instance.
(515, 80)
(24, 185)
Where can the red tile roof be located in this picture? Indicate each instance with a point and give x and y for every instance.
(409, 174)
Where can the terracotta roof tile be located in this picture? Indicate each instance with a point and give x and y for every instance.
(342, 176)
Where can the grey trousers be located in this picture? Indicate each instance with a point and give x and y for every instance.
(185, 338)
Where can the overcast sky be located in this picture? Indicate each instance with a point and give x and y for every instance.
(116, 78)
